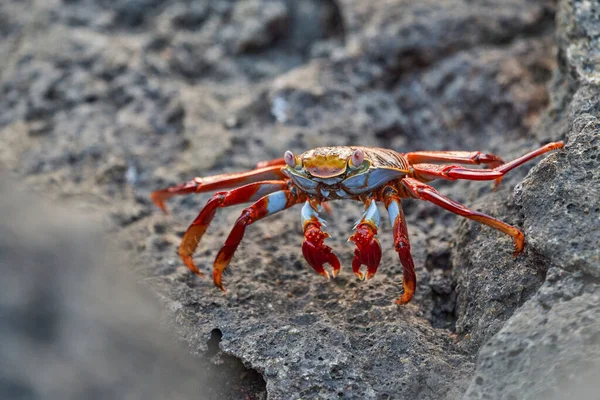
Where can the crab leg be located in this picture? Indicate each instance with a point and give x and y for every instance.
(368, 249)
(196, 230)
(216, 182)
(461, 157)
(266, 206)
(423, 191)
(431, 171)
(315, 252)
(401, 244)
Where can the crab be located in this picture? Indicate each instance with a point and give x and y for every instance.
(365, 174)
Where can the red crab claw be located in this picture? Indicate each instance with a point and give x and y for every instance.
(316, 252)
(367, 252)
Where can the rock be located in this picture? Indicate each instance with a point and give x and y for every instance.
(257, 24)
(100, 105)
(406, 37)
(549, 347)
(573, 200)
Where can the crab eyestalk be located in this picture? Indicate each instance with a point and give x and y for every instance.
(291, 160)
(357, 159)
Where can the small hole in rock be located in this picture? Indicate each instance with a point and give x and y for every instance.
(213, 343)
(227, 377)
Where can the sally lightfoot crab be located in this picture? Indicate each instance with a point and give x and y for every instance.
(365, 174)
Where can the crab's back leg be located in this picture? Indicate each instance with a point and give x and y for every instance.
(461, 157)
(429, 172)
(315, 251)
(401, 243)
(216, 182)
(196, 230)
(423, 191)
(266, 206)
(368, 249)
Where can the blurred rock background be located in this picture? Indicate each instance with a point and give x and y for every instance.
(102, 102)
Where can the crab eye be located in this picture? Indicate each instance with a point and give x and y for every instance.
(290, 159)
(357, 158)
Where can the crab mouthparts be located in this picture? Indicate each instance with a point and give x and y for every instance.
(325, 172)
(325, 168)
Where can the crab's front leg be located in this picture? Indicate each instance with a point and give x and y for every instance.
(267, 205)
(315, 251)
(196, 230)
(368, 249)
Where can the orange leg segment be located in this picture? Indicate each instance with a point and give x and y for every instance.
(423, 191)
(432, 171)
(401, 244)
(216, 182)
(196, 230)
(266, 206)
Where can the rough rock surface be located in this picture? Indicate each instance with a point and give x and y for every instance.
(550, 348)
(103, 102)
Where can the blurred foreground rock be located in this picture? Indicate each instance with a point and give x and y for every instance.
(75, 325)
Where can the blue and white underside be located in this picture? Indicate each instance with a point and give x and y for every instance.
(276, 202)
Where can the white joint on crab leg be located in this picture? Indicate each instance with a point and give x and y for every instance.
(370, 215)
(309, 214)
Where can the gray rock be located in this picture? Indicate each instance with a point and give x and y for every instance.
(549, 348)
(570, 195)
(100, 105)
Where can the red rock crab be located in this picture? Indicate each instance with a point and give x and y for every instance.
(366, 174)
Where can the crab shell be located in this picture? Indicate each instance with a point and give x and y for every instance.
(329, 172)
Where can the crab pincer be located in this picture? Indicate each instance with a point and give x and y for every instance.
(315, 251)
(367, 252)
(368, 249)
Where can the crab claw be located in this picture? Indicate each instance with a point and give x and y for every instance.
(317, 253)
(367, 252)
